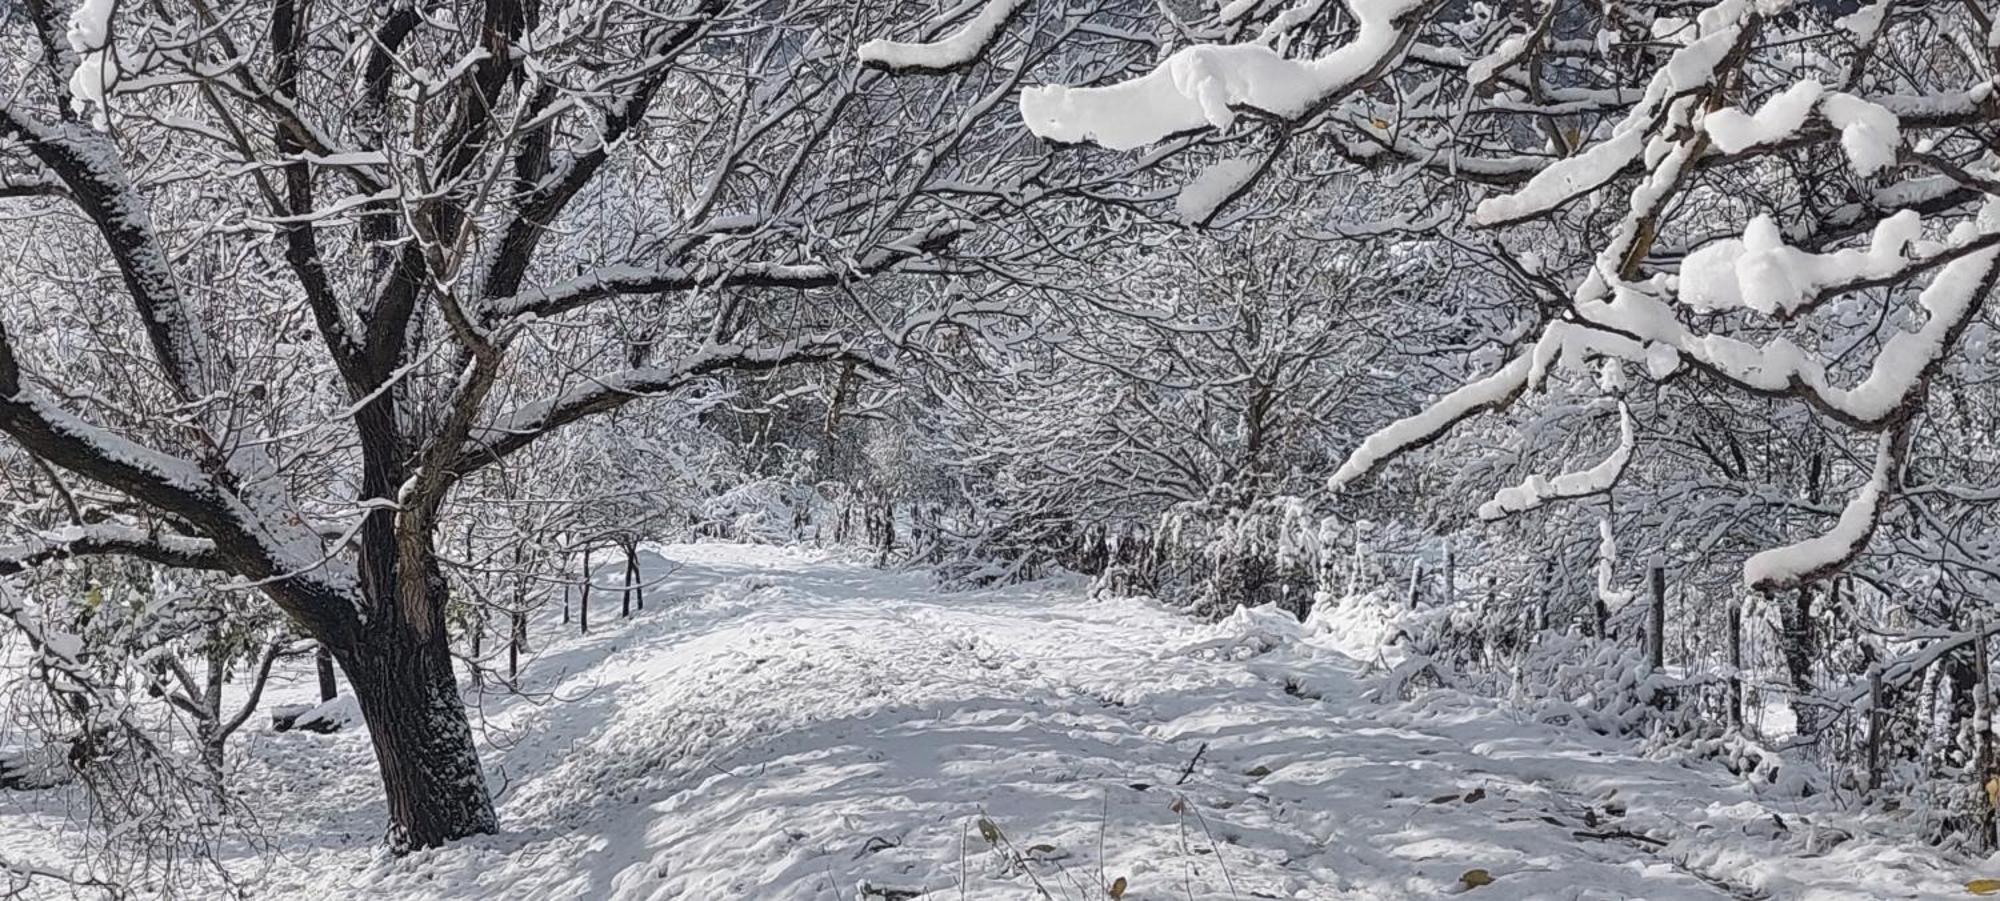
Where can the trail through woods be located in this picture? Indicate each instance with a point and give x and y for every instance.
(789, 725)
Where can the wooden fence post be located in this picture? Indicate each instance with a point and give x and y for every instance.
(1982, 718)
(1875, 727)
(633, 594)
(625, 598)
(1450, 574)
(517, 638)
(583, 605)
(478, 649)
(1736, 664)
(1656, 628)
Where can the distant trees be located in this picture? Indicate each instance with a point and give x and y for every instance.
(1760, 239)
(1613, 152)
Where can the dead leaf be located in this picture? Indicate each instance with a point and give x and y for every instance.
(1983, 886)
(1380, 123)
(1475, 878)
(1117, 888)
(1258, 772)
(1475, 796)
(988, 831)
(1993, 792)
(1179, 806)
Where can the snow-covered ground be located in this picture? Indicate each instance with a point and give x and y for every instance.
(788, 724)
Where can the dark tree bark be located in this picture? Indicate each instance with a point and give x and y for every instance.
(583, 601)
(1798, 639)
(423, 743)
(323, 663)
(630, 546)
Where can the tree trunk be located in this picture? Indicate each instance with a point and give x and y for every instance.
(518, 637)
(423, 742)
(583, 605)
(631, 549)
(323, 663)
(213, 746)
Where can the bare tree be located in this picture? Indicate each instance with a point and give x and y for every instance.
(359, 253)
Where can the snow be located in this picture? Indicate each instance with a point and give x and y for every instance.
(1565, 178)
(955, 49)
(1781, 280)
(1482, 69)
(793, 725)
(1411, 431)
(1200, 198)
(1783, 566)
(1560, 181)
(1613, 597)
(97, 60)
(1762, 273)
(1780, 117)
(1536, 489)
(1865, 21)
(1868, 132)
(1200, 86)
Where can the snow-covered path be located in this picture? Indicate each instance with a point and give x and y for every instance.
(789, 725)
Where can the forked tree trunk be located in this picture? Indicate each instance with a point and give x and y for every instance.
(423, 742)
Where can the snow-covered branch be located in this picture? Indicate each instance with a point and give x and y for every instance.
(1202, 86)
(956, 49)
(518, 428)
(178, 551)
(87, 163)
(1820, 555)
(1493, 392)
(1536, 490)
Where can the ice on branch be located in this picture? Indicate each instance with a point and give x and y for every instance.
(1202, 86)
(1492, 391)
(952, 50)
(1537, 489)
(1764, 274)
(1198, 201)
(1786, 566)
(97, 65)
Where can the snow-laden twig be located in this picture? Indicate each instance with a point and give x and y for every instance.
(1607, 562)
(1803, 561)
(951, 51)
(1202, 86)
(1537, 489)
(1493, 392)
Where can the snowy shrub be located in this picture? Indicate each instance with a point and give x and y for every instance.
(765, 511)
(1229, 552)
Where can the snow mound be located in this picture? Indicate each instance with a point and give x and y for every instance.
(1246, 633)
